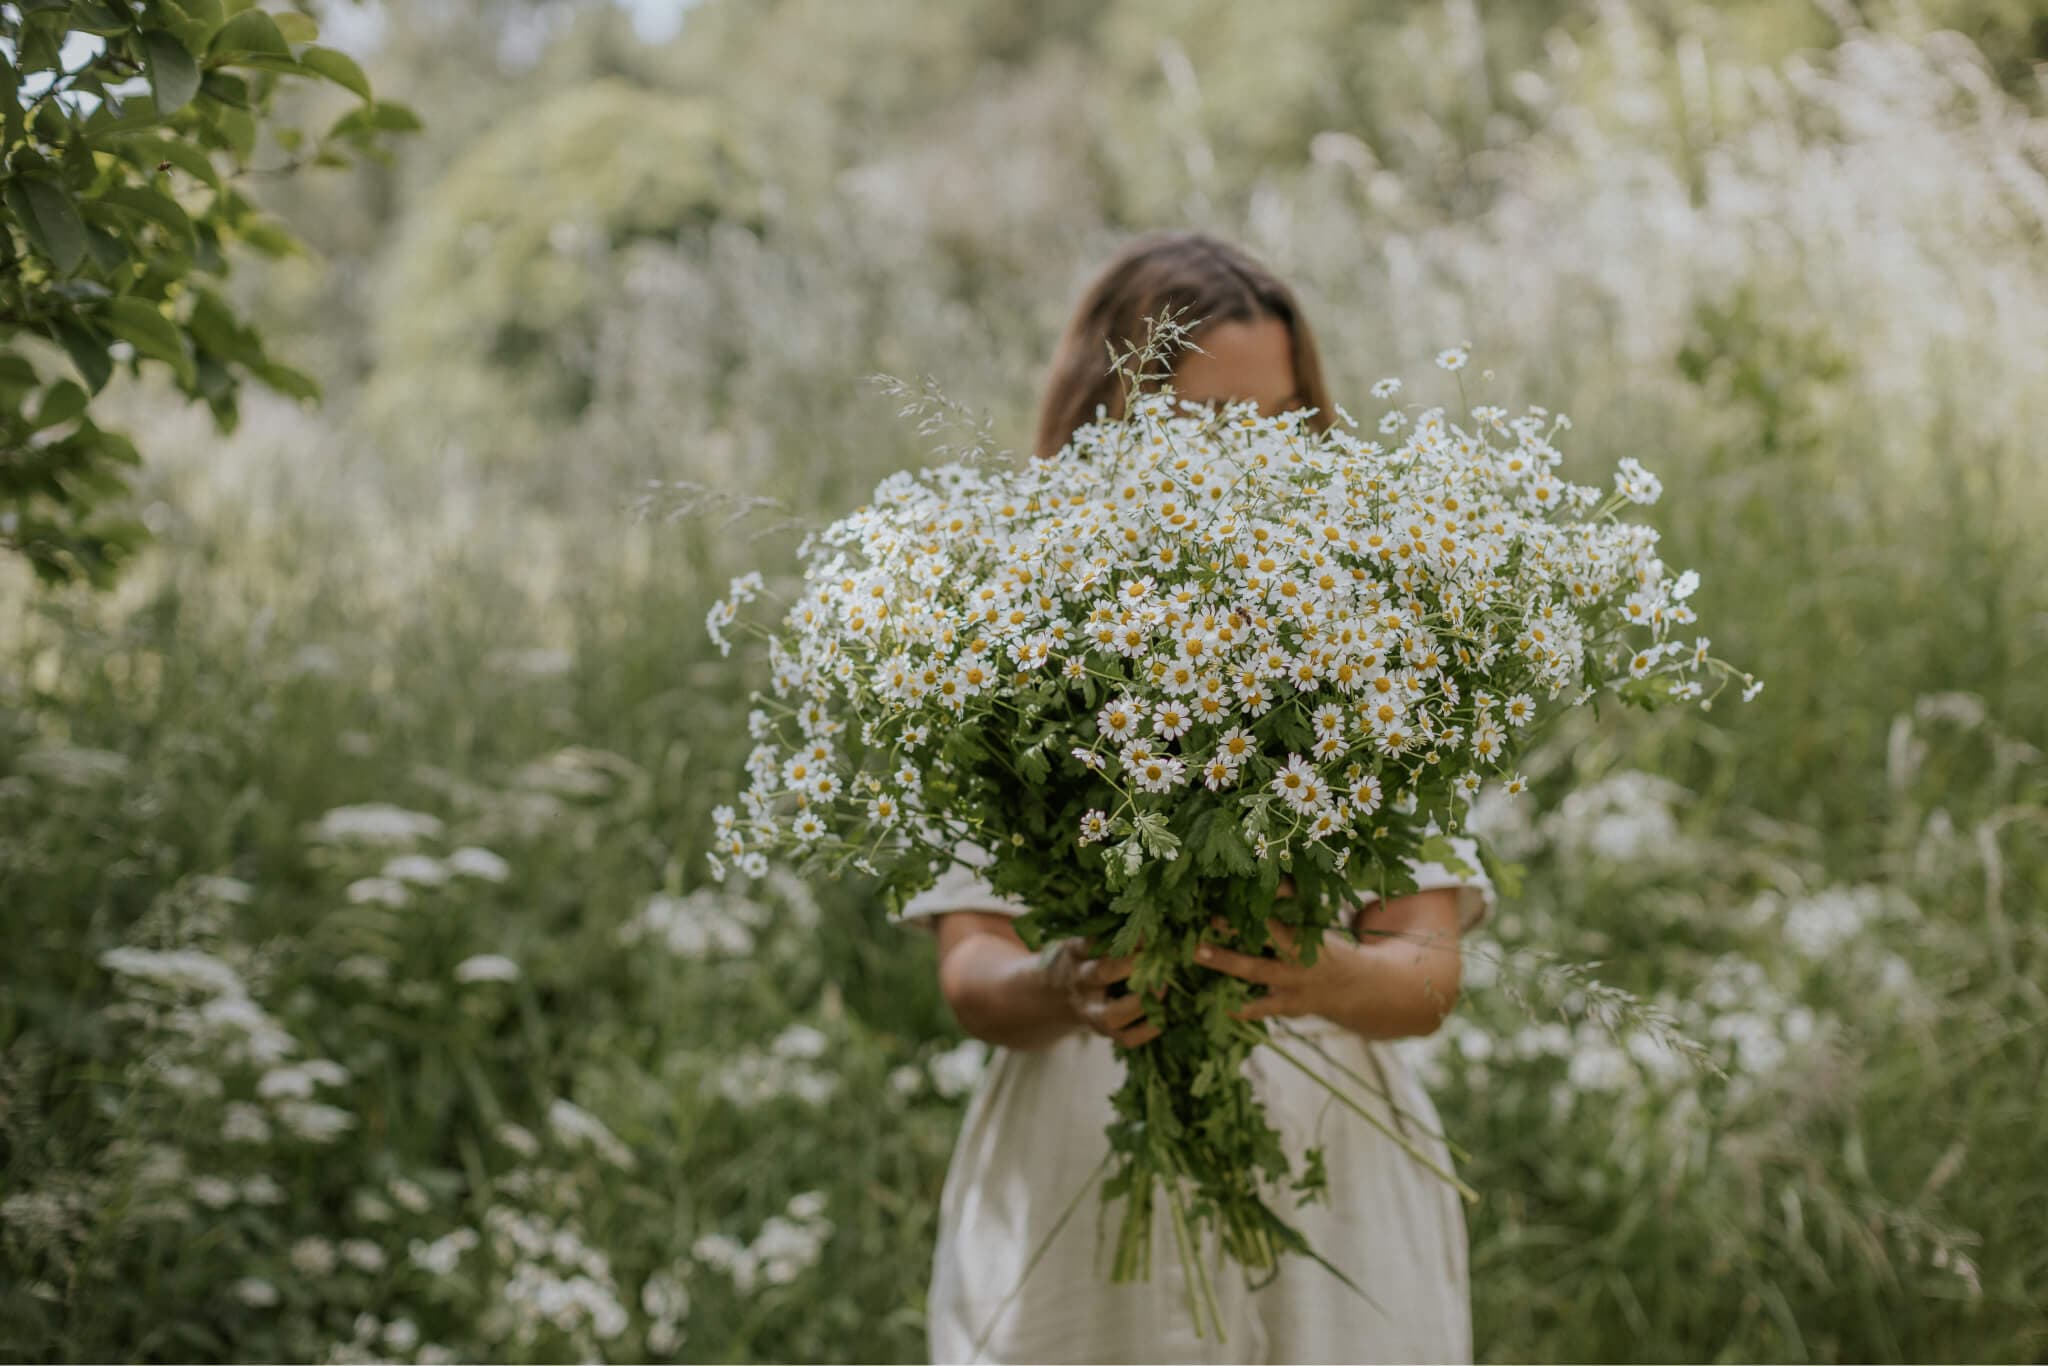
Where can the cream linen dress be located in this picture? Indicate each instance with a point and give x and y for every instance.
(1034, 1134)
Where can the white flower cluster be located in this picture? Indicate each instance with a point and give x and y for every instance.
(201, 1011)
(755, 1076)
(1192, 572)
(787, 1245)
(702, 924)
(556, 1280)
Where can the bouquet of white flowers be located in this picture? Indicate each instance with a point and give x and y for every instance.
(1196, 650)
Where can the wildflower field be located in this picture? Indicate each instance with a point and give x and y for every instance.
(364, 993)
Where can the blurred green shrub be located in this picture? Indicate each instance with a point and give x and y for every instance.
(502, 278)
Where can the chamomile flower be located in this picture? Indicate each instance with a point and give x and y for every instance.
(1300, 784)
(1119, 720)
(1171, 720)
(1159, 773)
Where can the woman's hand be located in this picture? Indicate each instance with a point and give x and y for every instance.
(1084, 982)
(1292, 987)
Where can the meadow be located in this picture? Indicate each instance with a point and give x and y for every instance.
(364, 995)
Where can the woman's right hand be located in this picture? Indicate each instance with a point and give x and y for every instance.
(1084, 982)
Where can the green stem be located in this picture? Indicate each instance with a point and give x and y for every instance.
(1323, 1053)
(1471, 1196)
(1194, 1275)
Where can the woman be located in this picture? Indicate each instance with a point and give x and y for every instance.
(1034, 1131)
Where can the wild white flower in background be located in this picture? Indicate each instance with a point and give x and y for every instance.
(443, 1255)
(363, 967)
(232, 890)
(518, 1138)
(487, 967)
(799, 1041)
(314, 1122)
(298, 1079)
(699, 925)
(363, 1255)
(1453, 357)
(374, 823)
(401, 1335)
(242, 1122)
(576, 1127)
(409, 1194)
(255, 1292)
(420, 869)
(313, 1257)
(71, 765)
(187, 969)
(955, 1071)
(755, 1076)
(378, 891)
(214, 1192)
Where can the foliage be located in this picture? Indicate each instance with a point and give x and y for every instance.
(512, 261)
(129, 129)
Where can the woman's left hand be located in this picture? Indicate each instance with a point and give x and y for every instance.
(1292, 988)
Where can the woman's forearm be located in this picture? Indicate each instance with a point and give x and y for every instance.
(1000, 993)
(1396, 988)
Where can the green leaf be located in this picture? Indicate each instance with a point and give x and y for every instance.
(230, 89)
(50, 219)
(393, 117)
(109, 252)
(89, 16)
(124, 113)
(173, 73)
(1439, 849)
(158, 208)
(337, 67)
(207, 12)
(155, 151)
(17, 378)
(88, 351)
(296, 27)
(268, 236)
(152, 334)
(264, 61)
(62, 401)
(250, 31)
(215, 327)
(287, 381)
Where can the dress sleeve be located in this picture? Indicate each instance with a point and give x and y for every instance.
(959, 889)
(1476, 894)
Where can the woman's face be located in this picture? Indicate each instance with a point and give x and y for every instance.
(1238, 360)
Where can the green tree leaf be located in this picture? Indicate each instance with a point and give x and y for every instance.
(157, 208)
(50, 219)
(251, 31)
(88, 352)
(152, 334)
(62, 401)
(173, 72)
(287, 381)
(337, 67)
(296, 27)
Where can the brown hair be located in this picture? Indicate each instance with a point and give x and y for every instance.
(1213, 280)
